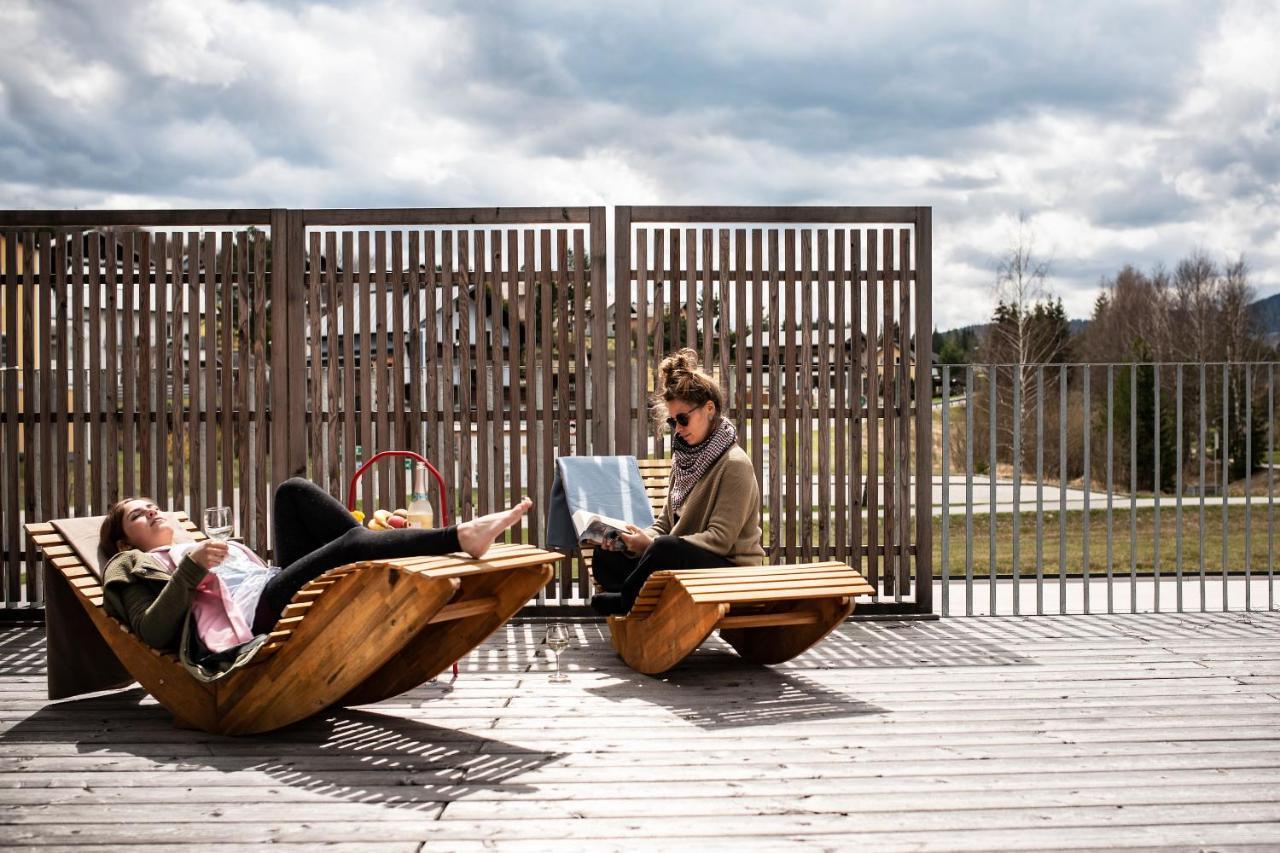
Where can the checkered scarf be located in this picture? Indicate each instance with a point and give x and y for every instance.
(690, 462)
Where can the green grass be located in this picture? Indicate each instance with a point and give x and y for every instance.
(1149, 537)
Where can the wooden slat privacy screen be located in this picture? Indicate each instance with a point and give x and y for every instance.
(201, 357)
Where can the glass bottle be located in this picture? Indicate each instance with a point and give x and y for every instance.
(420, 513)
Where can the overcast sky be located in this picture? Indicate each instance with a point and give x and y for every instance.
(1127, 132)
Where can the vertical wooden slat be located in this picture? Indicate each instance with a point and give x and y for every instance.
(827, 415)
(178, 381)
(417, 347)
(690, 303)
(581, 333)
(345, 338)
(723, 323)
(791, 374)
(61, 392)
(277, 392)
(515, 372)
(14, 436)
(708, 301)
(294, 288)
(466, 377)
(660, 309)
(228, 374)
(922, 343)
(146, 372)
(365, 361)
(566, 366)
(194, 401)
(804, 328)
(47, 410)
(494, 330)
(79, 405)
(776, 435)
(450, 377)
(97, 325)
(674, 266)
(30, 389)
(599, 367)
(640, 360)
(640, 364)
(741, 406)
(892, 350)
(856, 377)
(164, 351)
(379, 399)
(128, 369)
(872, 499)
(315, 374)
(757, 353)
(262, 432)
(479, 278)
(208, 382)
(622, 329)
(111, 365)
(398, 397)
(242, 293)
(844, 412)
(924, 414)
(545, 458)
(528, 445)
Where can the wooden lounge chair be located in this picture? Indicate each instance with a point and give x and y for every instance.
(356, 634)
(769, 614)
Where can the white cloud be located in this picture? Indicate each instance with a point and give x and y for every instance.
(1130, 134)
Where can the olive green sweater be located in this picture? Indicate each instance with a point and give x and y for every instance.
(137, 590)
(721, 513)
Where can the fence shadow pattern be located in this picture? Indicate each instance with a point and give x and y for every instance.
(201, 357)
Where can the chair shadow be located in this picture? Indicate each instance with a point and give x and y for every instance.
(345, 754)
(716, 689)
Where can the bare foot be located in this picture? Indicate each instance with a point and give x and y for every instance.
(475, 536)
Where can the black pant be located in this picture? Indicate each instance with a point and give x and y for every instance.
(616, 572)
(315, 533)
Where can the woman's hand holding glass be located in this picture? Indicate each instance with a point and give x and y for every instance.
(209, 553)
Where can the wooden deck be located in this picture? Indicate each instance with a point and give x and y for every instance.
(1006, 733)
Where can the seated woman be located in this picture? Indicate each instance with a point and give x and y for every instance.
(712, 516)
(153, 584)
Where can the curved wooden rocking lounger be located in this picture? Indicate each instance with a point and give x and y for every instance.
(356, 634)
(769, 614)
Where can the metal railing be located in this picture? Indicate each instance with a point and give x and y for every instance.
(1106, 488)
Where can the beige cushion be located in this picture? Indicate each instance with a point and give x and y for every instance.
(82, 535)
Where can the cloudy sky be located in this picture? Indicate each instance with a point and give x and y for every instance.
(1126, 132)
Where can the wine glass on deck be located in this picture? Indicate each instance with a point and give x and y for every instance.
(217, 522)
(557, 640)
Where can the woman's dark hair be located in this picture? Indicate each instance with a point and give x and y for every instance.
(113, 526)
(680, 377)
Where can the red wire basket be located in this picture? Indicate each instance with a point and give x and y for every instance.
(422, 460)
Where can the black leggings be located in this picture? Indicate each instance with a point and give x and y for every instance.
(315, 533)
(616, 572)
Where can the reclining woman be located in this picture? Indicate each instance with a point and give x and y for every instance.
(153, 584)
(712, 516)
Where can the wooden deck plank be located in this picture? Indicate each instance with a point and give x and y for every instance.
(963, 734)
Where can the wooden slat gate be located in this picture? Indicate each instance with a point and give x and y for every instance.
(203, 356)
(810, 317)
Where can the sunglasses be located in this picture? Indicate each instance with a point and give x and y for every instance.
(682, 419)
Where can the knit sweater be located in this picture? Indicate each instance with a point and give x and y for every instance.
(721, 513)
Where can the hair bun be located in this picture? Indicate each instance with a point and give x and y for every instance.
(676, 368)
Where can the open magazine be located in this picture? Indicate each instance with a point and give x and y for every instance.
(598, 530)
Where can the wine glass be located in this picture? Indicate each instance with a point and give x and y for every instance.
(558, 640)
(217, 522)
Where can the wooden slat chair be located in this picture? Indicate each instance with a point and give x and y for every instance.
(769, 614)
(356, 634)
